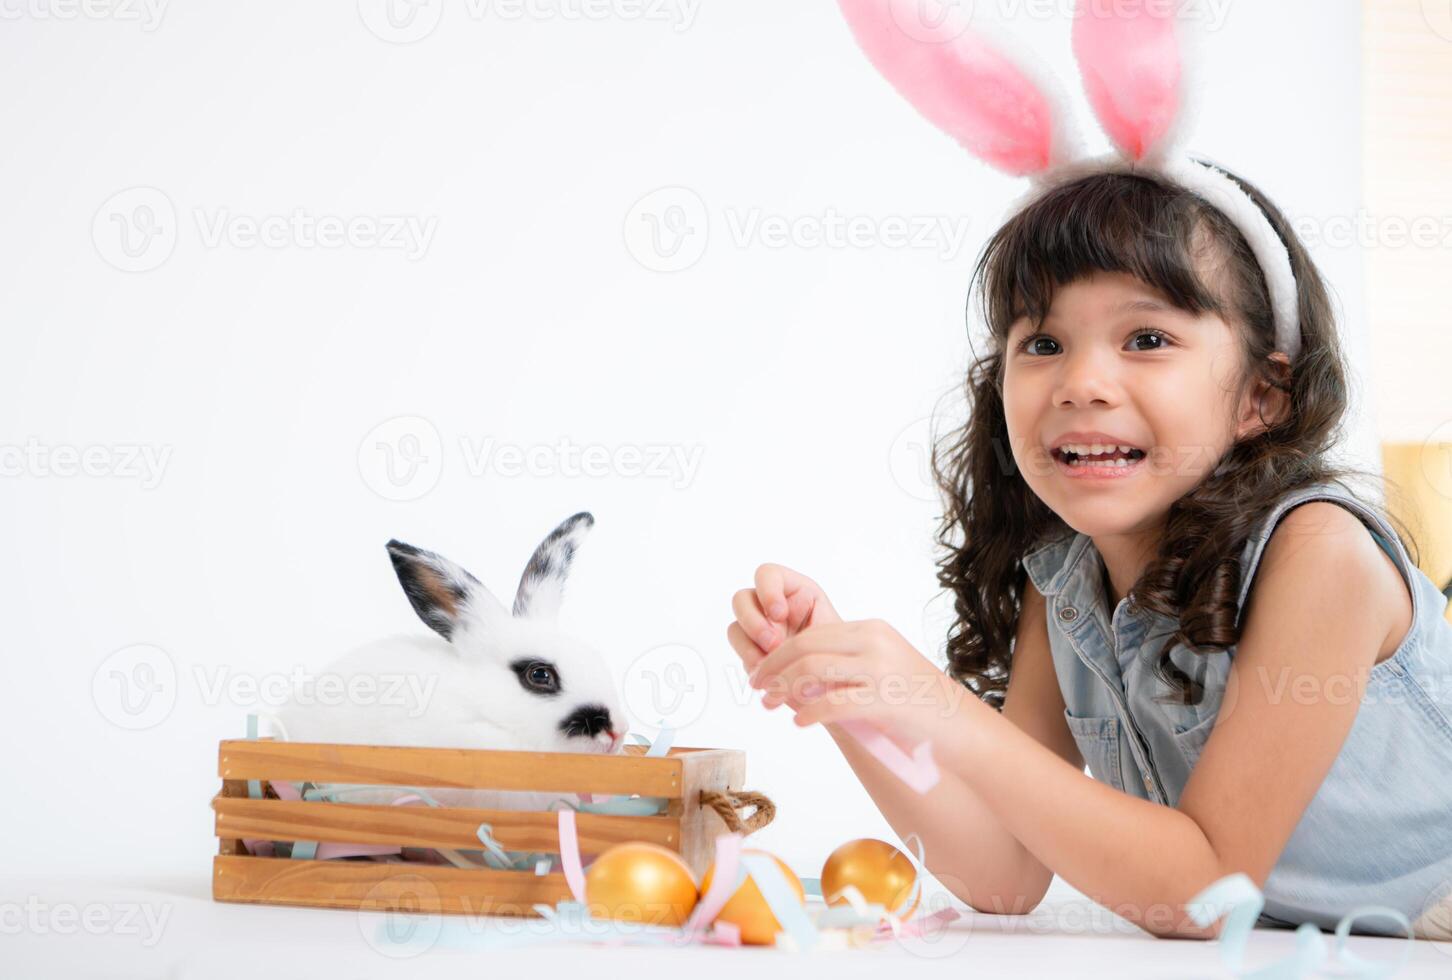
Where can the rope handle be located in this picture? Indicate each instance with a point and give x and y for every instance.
(728, 803)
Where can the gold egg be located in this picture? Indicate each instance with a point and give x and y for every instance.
(641, 882)
(747, 909)
(881, 872)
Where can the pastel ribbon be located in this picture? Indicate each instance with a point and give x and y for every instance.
(918, 770)
(1236, 898)
(654, 750)
(570, 855)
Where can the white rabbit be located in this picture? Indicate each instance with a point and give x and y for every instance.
(489, 679)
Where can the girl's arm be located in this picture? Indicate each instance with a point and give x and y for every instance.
(966, 846)
(1293, 691)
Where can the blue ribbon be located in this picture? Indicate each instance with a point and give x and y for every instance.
(1236, 898)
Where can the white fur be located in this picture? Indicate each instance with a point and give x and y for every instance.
(471, 699)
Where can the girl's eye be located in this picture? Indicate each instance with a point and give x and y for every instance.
(1028, 342)
(1027, 345)
(1153, 333)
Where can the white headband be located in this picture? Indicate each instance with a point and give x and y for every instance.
(1008, 111)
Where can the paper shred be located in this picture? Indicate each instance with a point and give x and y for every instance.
(918, 770)
(1237, 899)
(254, 786)
(724, 883)
(781, 898)
(570, 855)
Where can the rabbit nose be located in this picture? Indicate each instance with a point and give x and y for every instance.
(587, 721)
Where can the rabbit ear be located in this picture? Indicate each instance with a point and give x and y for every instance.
(542, 585)
(446, 597)
(1131, 61)
(1004, 110)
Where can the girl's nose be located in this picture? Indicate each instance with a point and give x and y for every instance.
(1084, 380)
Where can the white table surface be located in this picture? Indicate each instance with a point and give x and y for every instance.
(170, 928)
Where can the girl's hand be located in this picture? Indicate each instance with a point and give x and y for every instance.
(783, 604)
(858, 671)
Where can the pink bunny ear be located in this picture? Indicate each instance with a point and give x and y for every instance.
(1129, 55)
(964, 85)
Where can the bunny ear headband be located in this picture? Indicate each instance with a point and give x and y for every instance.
(1007, 112)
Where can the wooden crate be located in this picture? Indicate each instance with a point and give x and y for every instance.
(687, 826)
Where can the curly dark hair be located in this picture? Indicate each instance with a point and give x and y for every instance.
(1169, 238)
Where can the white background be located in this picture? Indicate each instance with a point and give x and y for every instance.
(798, 378)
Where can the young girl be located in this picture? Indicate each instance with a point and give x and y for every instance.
(1256, 683)
(1159, 572)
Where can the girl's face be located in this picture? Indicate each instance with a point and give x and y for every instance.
(1114, 358)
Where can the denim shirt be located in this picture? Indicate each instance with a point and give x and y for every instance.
(1379, 829)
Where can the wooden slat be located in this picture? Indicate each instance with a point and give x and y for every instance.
(419, 826)
(700, 825)
(377, 886)
(231, 789)
(390, 765)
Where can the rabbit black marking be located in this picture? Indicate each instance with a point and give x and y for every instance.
(489, 679)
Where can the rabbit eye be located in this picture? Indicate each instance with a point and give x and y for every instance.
(537, 677)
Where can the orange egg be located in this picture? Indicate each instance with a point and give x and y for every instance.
(747, 909)
(641, 882)
(881, 872)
